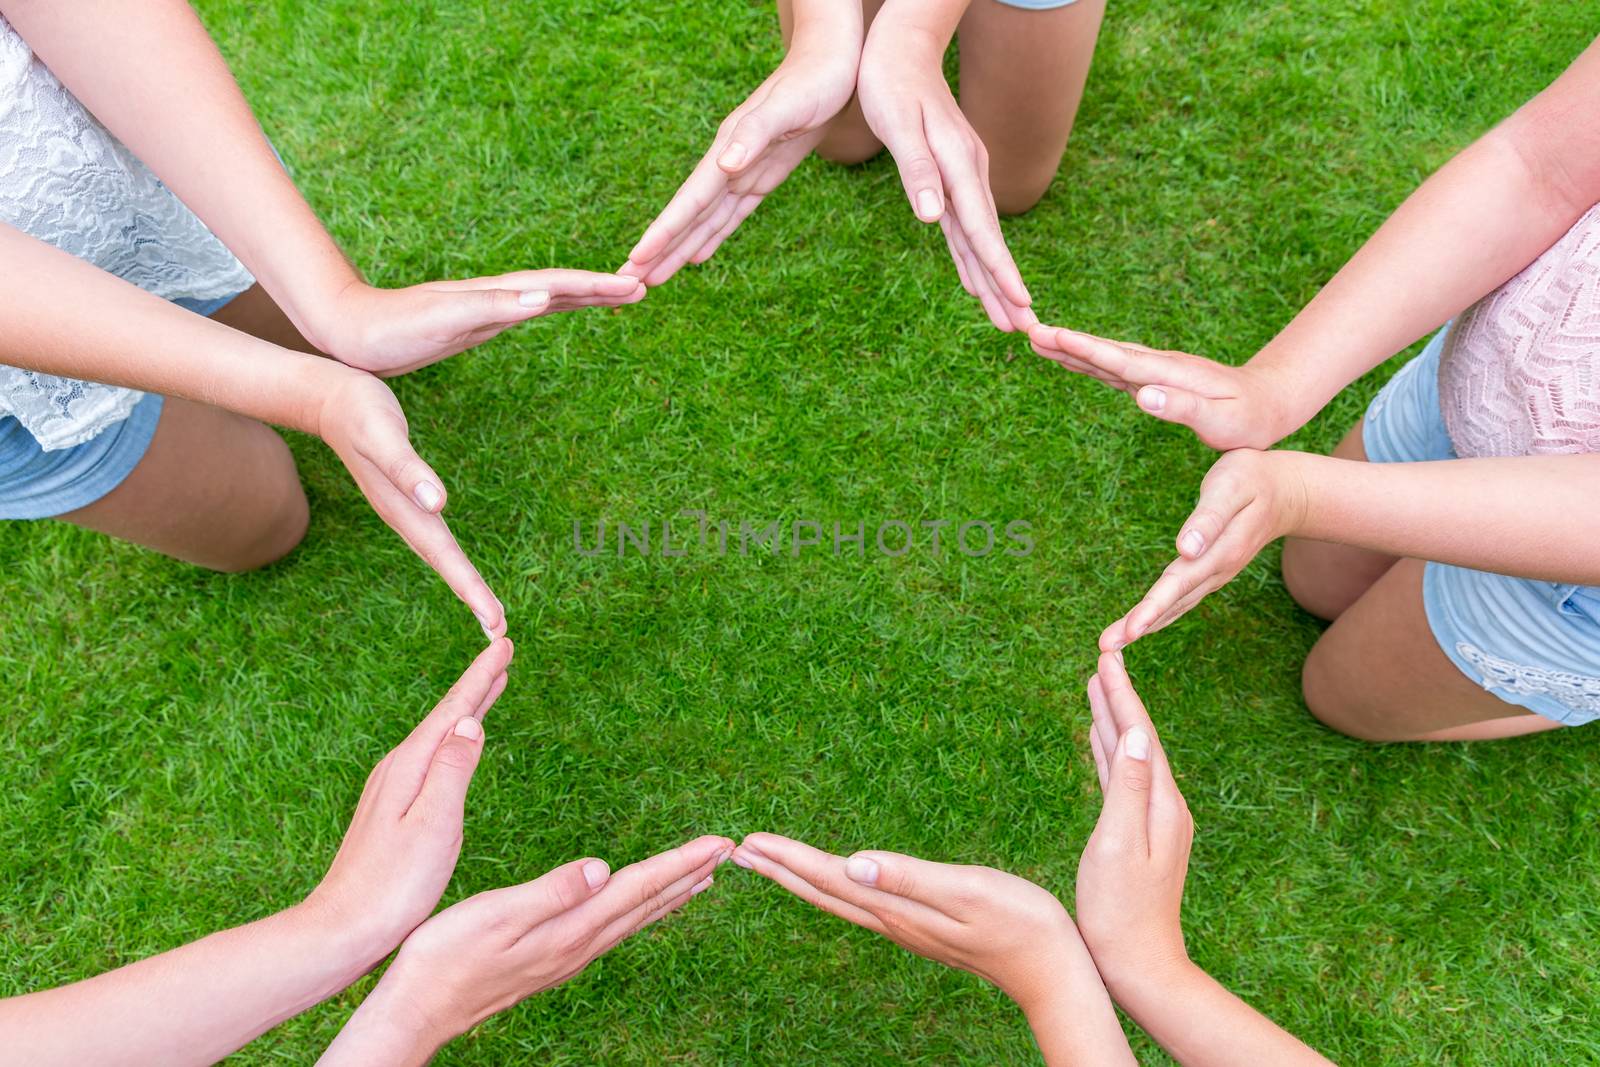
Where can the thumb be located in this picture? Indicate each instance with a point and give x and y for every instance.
(477, 309)
(444, 791)
(1172, 404)
(751, 137)
(1126, 811)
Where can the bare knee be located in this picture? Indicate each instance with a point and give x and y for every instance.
(1330, 695)
(848, 147)
(1017, 195)
(275, 527)
(1299, 569)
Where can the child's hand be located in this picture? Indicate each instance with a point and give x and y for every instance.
(498, 948)
(944, 167)
(1130, 879)
(1247, 500)
(402, 844)
(1005, 929)
(1227, 407)
(395, 331)
(755, 149)
(361, 420)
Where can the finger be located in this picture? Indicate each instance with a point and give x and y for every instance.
(1125, 814)
(903, 135)
(639, 887)
(474, 690)
(705, 186)
(557, 281)
(969, 199)
(431, 539)
(1099, 754)
(747, 204)
(946, 888)
(1103, 729)
(1127, 710)
(693, 240)
(1223, 497)
(443, 798)
(556, 893)
(752, 136)
(495, 689)
(1077, 366)
(660, 902)
(830, 874)
(751, 859)
(982, 287)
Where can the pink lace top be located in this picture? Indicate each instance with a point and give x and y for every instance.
(1520, 370)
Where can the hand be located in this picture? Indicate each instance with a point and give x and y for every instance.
(943, 166)
(402, 844)
(1130, 879)
(1247, 500)
(395, 331)
(360, 419)
(1226, 407)
(755, 149)
(1005, 929)
(498, 948)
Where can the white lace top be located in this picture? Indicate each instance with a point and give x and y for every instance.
(66, 180)
(1520, 370)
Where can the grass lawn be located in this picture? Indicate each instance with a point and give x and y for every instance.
(184, 749)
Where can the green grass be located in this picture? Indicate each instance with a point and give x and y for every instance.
(184, 749)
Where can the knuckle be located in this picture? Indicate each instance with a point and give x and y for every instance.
(455, 757)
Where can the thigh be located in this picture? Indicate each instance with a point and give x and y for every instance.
(213, 488)
(1022, 77)
(1326, 578)
(848, 139)
(1378, 674)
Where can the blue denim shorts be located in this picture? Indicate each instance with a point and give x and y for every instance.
(1530, 643)
(35, 484)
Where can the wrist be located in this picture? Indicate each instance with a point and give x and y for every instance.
(1291, 473)
(388, 1028)
(354, 934)
(1139, 983)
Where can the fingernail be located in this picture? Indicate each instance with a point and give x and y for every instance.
(1137, 743)
(702, 885)
(595, 872)
(1152, 399)
(534, 298)
(483, 624)
(928, 204)
(722, 857)
(427, 495)
(733, 157)
(1193, 543)
(860, 869)
(740, 860)
(469, 728)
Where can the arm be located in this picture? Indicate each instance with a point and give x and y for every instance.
(1008, 931)
(760, 143)
(498, 948)
(1130, 894)
(198, 1003)
(150, 73)
(1480, 219)
(944, 166)
(1419, 510)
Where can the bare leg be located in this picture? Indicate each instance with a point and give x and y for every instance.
(1378, 674)
(1022, 78)
(849, 139)
(1326, 578)
(214, 488)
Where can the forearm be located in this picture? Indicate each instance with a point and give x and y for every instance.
(195, 1004)
(1480, 219)
(137, 340)
(151, 74)
(385, 1029)
(1202, 1024)
(1529, 516)
(1075, 1024)
(903, 23)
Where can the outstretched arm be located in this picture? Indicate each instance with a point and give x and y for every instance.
(1480, 219)
(136, 64)
(1130, 892)
(198, 1003)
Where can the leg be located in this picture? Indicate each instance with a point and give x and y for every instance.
(1326, 578)
(214, 489)
(1378, 674)
(849, 139)
(1022, 77)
